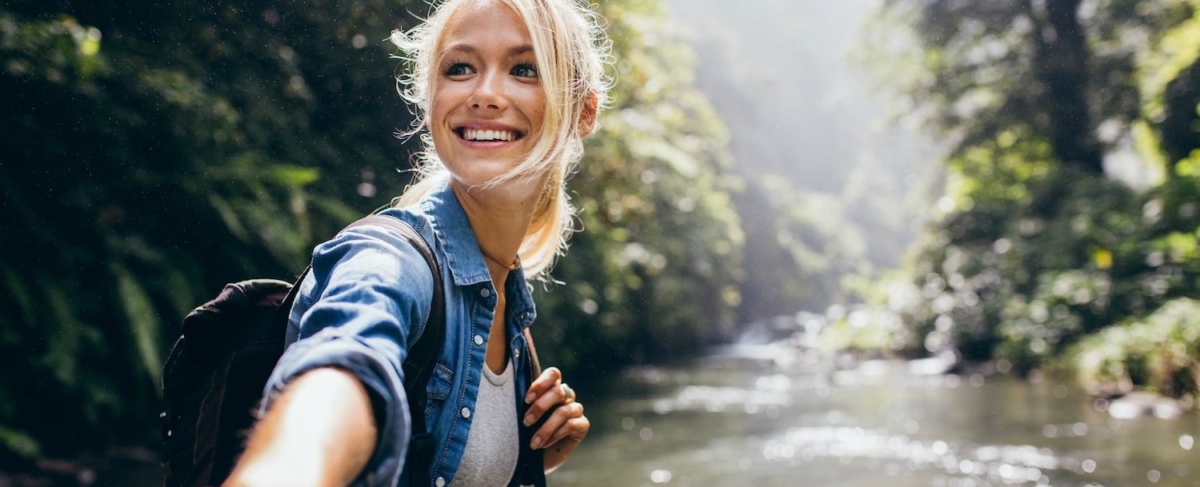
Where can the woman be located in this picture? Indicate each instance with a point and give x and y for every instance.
(507, 90)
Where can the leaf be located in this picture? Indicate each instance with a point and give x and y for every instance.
(229, 217)
(1189, 167)
(62, 335)
(681, 161)
(14, 287)
(18, 442)
(293, 175)
(143, 322)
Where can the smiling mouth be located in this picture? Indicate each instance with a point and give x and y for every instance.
(477, 135)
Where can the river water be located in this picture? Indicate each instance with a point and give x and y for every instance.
(744, 417)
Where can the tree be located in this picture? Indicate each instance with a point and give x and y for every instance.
(154, 153)
(654, 273)
(1034, 245)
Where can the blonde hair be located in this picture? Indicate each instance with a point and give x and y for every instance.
(571, 49)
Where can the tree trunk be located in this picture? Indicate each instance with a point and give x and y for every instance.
(1061, 59)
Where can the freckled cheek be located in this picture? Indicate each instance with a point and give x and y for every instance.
(534, 105)
(539, 115)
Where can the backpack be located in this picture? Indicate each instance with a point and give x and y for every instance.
(214, 378)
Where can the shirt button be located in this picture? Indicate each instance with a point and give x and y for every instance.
(440, 482)
(478, 340)
(466, 413)
(516, 353)
(485, 292)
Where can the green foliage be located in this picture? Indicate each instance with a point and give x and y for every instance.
(155, 153)
(1007, 278)
(1031, 252)
(1158, 352)
(142, 320)
(1171, 86)
(1176, 53)
(868, 330)
(974, 70)
(655, 271)
(150, 158)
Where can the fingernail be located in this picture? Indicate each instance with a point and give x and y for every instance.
(529, 398)
(536, 443)
(529, 420)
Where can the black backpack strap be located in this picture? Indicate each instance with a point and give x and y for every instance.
(418, 367)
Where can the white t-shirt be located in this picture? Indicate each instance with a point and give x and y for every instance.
(490, 456)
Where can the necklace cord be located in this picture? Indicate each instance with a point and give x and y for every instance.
(514, 265)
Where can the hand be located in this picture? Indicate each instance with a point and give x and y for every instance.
(319, 432)
(565, 427)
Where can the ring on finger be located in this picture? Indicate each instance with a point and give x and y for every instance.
(568, 393)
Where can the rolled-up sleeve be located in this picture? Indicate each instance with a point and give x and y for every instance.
(370, 290)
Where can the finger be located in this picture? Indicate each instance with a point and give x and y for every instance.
(574, 431)
(547, 401)
(558, 426)
(552, 424)
(575, 427)
(550, 378)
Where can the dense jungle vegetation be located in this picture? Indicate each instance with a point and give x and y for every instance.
(1068, 233)
(154, 152)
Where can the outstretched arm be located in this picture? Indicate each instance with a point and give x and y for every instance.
(319, 432)
(335, 403)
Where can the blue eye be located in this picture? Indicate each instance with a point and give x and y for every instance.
(525, 70)
(458, 69)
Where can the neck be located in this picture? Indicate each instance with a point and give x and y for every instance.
(500, 218)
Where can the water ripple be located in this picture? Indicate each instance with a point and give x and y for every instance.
(1007, 464)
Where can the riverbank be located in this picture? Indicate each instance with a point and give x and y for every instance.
(1154, 355)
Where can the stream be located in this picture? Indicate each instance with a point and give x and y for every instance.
(766, 415)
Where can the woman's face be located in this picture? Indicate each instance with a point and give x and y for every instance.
(487, 100)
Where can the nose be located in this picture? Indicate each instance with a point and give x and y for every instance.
(489, 93)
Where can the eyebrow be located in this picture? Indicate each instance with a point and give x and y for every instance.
(469, 49)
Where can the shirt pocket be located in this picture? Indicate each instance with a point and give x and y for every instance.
(440, 382)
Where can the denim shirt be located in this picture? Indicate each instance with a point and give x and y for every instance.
(365, 303)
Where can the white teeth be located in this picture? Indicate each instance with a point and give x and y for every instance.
(488, 135)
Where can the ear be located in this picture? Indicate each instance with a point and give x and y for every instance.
(587, 117)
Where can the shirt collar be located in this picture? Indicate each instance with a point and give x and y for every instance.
(453, 231)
